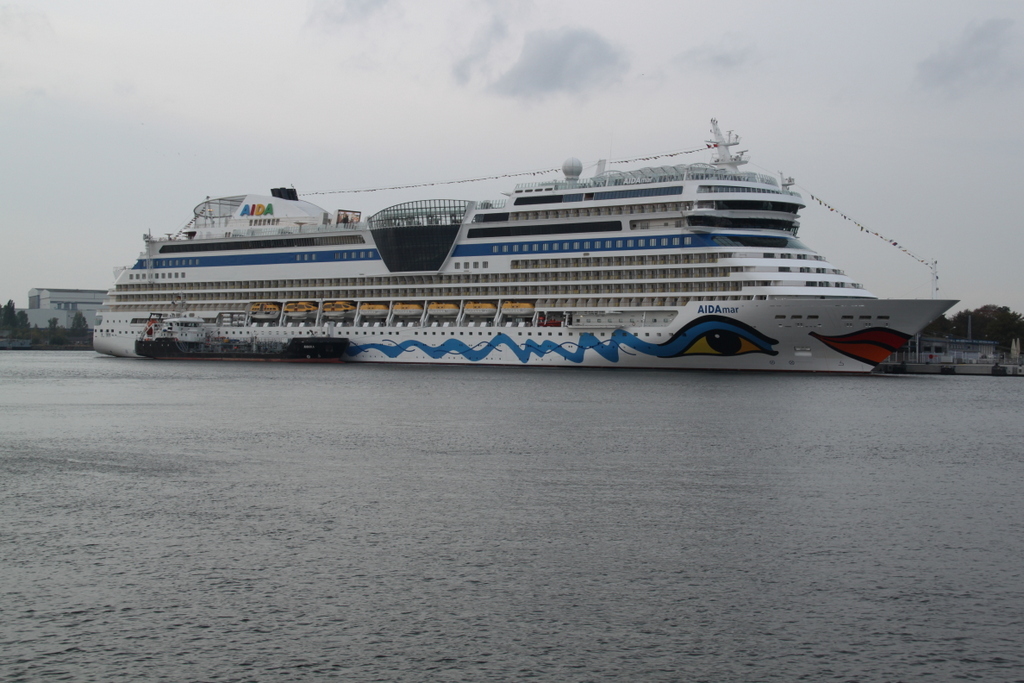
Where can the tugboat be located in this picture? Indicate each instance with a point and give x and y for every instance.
(190, 338)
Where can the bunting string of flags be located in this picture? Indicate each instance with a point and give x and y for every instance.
(500, 176)
(870, 232)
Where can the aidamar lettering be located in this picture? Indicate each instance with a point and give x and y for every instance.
(710, 308)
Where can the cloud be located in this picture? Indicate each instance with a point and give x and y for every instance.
(732, 54)
(15, 21)
(978, 60)
(340, 12)
(484, 42)
(564, 61)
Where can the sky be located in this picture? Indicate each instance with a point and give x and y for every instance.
(118, 117)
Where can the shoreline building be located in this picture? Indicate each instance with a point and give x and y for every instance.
(47, 303)
(946, 350)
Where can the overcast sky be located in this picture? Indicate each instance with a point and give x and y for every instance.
(116, 118)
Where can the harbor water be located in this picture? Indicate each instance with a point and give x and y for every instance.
(205, 521)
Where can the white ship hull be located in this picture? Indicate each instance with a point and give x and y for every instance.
(777, 335)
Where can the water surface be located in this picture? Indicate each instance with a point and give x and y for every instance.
(249, 522)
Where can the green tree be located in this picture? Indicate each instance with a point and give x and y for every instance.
(56, 332)
(79, 325)
(22, 322)
(940, 327)
(8, 320)
(991, 322)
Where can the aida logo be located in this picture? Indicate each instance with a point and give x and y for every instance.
(712, 308)
(257, 210)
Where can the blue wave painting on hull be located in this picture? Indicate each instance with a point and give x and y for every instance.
(710, 335)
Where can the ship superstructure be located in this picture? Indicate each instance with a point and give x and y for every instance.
(685, 266)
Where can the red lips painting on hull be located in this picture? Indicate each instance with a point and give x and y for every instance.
(870, 346)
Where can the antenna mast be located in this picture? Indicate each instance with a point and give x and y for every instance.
(721, 144)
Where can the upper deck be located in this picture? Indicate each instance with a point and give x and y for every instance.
(654, 174)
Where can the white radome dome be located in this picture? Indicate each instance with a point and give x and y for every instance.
(572, 168)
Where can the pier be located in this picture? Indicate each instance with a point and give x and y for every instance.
(974, 369)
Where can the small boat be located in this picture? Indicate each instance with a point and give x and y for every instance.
(192, 339)
(518, 310)
(374, 309)
(408, 309)
(338, 309)
(300, 310)
(544, 321)
(438, 308)
(480, 308)
(265, 310)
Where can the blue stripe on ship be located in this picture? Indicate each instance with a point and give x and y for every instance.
(292, 257)
(577, 244)
(550, 247)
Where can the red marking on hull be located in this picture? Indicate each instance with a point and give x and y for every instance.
(872, 346)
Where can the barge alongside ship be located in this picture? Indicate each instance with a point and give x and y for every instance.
(690, 267)
(190, 339)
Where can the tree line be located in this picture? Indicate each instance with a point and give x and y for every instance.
(15, 324)
(990, 322)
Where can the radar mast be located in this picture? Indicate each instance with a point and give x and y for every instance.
(725, 159)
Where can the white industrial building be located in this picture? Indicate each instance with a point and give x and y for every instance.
(62, 304)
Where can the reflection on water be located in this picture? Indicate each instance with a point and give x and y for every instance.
(236, 522)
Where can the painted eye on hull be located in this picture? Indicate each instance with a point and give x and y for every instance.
(722, 343)
(716, 335)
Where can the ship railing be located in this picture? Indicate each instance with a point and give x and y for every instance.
(659, 174)
(273, 230)
(297, 229)
(491, 204)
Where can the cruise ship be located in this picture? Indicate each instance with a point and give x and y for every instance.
(693, 266)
